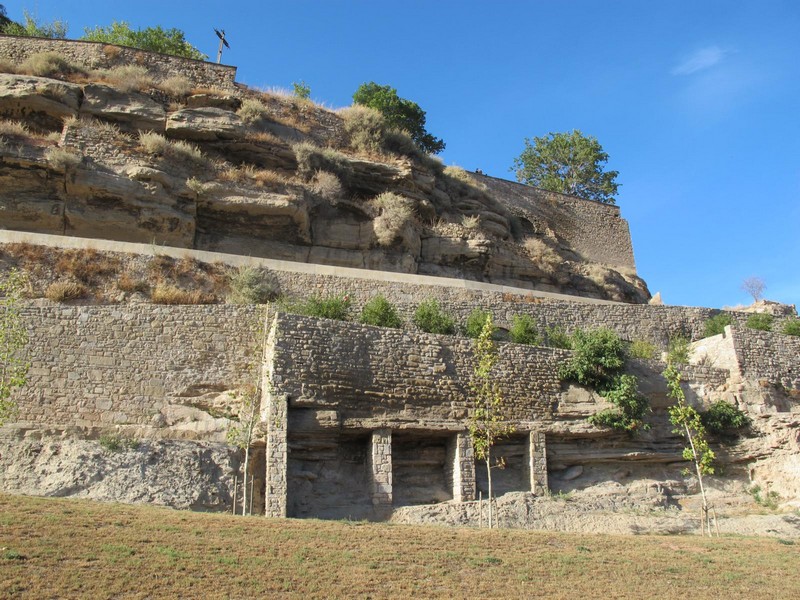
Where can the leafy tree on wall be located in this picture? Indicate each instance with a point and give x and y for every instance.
(399, 114)
(569, 163)
(153, 39)
(488, 422)
(31, 27)
(13, 339)
(4, 20)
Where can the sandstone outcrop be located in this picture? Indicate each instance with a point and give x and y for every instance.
(130, 110)
(41, 101)
(251, 194)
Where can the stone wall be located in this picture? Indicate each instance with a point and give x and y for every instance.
(101, 366)
(97, 55)
(104, 366)
(592, 229)
(376, 377)
(764, 355)
(656, 324)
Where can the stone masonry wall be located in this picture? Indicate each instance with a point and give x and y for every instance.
(592, 229)
(377, 377)
(101, 366)
(97, 55)
(656, 324)
(773, 357)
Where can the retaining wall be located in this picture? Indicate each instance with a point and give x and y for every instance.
(391, 377)
(764, 355)
(102, 366)
(594, 230)
(98, 55)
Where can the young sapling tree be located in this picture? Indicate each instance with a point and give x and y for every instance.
(688, 422)
(488, 422)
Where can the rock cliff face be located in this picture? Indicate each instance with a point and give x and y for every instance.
(277, 177)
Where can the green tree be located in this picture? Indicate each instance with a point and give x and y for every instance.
(689, 423)
(399, 114)
(569, 163)
(301, 90)
(31, 27)
(4, 20)
(153, 39)
(13, 339)
(488, 421)
(242, 432)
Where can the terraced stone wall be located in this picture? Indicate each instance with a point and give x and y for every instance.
(764, 355)
(389, 377)
(97, 55)
(103, 366)
(594, 230)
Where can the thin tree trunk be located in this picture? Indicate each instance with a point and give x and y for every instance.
(244, 480)
(705, 522)
(489, 478)
(252, 485)
(235, 487)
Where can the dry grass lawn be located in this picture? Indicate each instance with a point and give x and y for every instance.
(61, 548)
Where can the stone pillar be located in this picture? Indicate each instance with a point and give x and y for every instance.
(379, 463)
(461, 467)
(276, 458)
(537, 461)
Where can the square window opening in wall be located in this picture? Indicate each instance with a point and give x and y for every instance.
(327, 475)
(420, 467)
(510, 467)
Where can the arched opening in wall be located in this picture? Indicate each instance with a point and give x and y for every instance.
(327, 473)
(510, 467)
(419, 468)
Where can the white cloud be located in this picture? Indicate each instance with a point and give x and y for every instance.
(702, 59)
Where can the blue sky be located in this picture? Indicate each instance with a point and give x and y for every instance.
(696, 102)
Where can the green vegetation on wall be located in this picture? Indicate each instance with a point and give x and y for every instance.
(430, 318)
(597, 362)
(476, 321)
(716, 324)
(323, 307)
(399, 113)
(152, 39)
(569, 163)
(524, 330)
(380, 313)
(30, 27)
(791, 327)
(760, 321)
(723, 417)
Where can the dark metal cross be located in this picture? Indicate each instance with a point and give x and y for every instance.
(222, 42)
